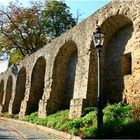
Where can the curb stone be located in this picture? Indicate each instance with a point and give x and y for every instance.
(49, 130)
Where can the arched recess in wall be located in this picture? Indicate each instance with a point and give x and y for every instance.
(1, 91)
(8, 93)
(118, 31)
(37, 85)
(20, 91)
(63, 77)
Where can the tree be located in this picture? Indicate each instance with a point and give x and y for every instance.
(22, 29)
(58, 18)
(25, 30)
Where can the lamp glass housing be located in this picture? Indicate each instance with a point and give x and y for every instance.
(98, 38)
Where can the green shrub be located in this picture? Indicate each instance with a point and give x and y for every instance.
(88, 109)
(131, 130)
(115, 117)
(90, 119)
(108, 129)
(117, 112)
(72, 126)
(117, 122)
(31, 117)
(7, 115)
(57, 120)
(89, 132)
(74, 131)
(16, 116)
(76, 123)
(38, 120)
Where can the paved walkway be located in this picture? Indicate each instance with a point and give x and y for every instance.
(8, 134)
(15, 131)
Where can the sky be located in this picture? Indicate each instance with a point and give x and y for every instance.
(85, 8)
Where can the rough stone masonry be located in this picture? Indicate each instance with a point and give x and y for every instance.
(63, 74)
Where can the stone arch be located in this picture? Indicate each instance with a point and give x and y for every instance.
(112, 24)
(8, 94)
(116, 28)
(118, 31)
(20, 90)
(63, 77)
(37, 85)
(1, 91)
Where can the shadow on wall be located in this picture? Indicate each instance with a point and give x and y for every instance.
(69, 80)
(7, 94)
(37, 85)
(118, 31)
(114, 64)
(63, 78)
(20, 91)
(92, 77)
(1, 91)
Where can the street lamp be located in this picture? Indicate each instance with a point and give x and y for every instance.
(98, 39)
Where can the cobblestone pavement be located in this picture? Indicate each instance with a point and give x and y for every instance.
(14, 131)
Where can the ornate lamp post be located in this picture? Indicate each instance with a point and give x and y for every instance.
(98, 39)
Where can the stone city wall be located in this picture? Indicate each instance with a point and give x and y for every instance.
(63, 74)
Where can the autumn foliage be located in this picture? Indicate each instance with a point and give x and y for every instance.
(23, 30)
